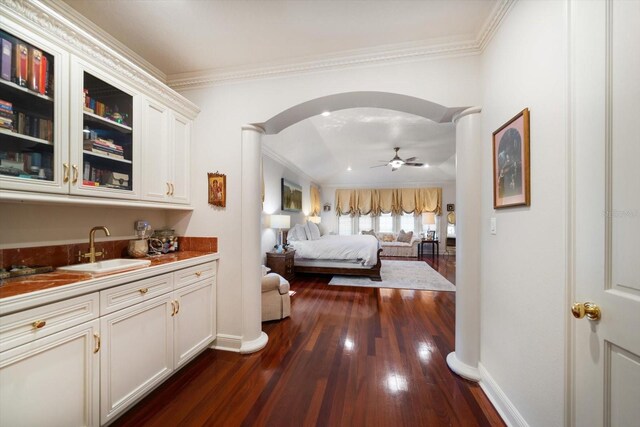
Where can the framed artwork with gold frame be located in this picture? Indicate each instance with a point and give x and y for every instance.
(511, 164)
(217, 188)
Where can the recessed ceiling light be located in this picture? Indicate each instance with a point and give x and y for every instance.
(349, 168)
(426, 165)
(326, 113)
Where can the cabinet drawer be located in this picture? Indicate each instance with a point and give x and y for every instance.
(123, 296)
(26, 326)
(193, 274)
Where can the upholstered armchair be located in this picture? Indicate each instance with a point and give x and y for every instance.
(276, 303)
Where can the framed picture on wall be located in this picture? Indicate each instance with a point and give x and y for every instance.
(217, 185)
(511, 183)
(291, 196)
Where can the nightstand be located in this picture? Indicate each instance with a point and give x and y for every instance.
(282, 264)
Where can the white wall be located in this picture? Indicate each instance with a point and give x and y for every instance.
(273, 172)
(226, 108)
(29, 225)
(523, 266)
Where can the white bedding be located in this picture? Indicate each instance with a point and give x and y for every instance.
(357, 247)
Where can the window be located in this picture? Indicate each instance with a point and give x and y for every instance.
(385, 223)
(345, 225)
(407, 222)
(365, 223)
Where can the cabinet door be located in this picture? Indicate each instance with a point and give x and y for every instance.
(195, 326)
(52, 381)
(137, 353)
(179, 159)
(34, 108)
(155, 152)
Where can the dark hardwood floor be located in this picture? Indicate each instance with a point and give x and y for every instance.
(348, 356)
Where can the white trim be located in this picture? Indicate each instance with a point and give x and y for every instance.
(462, 369)
(499, 399)
(55, 23)
(403, 52)
(65, 199)
(254, 345)
(468, 111)
(226, 342)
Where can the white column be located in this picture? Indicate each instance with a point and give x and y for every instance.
(464, 360)
(253, 339)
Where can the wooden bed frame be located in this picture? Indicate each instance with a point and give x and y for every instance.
(372, 273)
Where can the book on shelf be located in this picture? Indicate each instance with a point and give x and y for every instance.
(21, 61)
(43, 75)
(35, 59)
(5, 59)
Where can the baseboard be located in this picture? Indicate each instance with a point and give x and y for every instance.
(499, 399)
(227, 343)
(254, 345)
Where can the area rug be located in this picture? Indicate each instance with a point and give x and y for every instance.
(401, 275)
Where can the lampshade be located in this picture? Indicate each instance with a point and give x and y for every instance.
(315, 219)
(429, 218)
(280, 221)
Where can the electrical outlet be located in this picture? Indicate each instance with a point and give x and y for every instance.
(493, 226)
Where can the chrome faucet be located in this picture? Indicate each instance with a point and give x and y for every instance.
(92, 254)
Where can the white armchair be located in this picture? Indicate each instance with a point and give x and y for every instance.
(276, 303)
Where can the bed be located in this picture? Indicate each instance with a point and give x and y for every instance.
(357, 255)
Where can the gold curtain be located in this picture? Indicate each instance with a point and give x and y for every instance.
(429, 200)
(345, 202)
(389, 200)
(366, 201)
(314, 193)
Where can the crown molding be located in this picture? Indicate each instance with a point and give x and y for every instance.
(56, 23)
(389, 54)
(404, 184)
(269, 152)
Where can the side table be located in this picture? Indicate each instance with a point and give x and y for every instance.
(282, 263)
(435, 247)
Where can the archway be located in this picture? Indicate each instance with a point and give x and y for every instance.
(464, 360)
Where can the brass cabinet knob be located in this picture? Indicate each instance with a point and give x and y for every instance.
(143, 290)
(75, 174)
(65, 174)
(39, 324)
(591, 310)
(198, 273)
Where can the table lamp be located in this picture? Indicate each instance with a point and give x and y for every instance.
(428, 219)
(280, 222)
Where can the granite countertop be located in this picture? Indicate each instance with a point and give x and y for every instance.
(22, 285)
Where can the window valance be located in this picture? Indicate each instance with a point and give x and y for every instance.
(388, 200)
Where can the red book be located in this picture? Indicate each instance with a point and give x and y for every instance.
(35, 58)
(44, 64)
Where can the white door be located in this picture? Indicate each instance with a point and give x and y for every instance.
(179, 159)
(52, 381)
(194, 320)
(605, 83)
(155, 152)
(137, 353)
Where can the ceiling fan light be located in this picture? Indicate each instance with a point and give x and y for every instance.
(396, 163)
(426, 165)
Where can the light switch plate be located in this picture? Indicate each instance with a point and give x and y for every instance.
(493, 225)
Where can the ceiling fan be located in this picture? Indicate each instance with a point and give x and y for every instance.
(396, 163)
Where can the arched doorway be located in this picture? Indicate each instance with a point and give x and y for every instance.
(464, 360)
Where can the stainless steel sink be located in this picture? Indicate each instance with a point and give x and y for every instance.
(108, 266)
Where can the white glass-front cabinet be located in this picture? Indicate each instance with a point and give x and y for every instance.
(104, 159)
(33, 113)
(166, 137)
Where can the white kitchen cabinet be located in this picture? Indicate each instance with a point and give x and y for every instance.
(137, 353)
(166, 148)
(195, 322)
(52, 381)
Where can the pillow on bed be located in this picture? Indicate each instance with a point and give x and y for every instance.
(307, 230)
(404, 237)
(298, 231)
(371, 232)
(314, 230)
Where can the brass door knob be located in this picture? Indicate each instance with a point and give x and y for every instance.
(591, 310)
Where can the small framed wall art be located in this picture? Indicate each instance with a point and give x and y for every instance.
(511, 167)
(217, 189)
(291, 196)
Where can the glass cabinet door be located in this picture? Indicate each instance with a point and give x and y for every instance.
(32, 149)
(103, 153)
